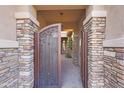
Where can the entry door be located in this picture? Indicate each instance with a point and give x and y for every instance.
(84, 59)
(49, 57)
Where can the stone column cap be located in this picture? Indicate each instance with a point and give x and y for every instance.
(19, 15)
(95, 13)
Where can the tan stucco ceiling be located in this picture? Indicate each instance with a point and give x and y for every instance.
(61, 15)
(59, 7)
(68, 15)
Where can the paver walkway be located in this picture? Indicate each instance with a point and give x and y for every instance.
(70, 74)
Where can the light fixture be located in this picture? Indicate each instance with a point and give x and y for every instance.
(61, 13)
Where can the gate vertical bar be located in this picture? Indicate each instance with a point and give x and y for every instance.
(82, 58)
(36, 59)
(59, 55)
(86, 59)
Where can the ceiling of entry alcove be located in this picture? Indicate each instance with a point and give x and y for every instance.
(68, 15)
(59, 7)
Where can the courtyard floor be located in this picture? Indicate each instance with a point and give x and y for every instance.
(70, 74)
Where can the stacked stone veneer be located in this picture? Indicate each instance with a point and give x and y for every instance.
(114, 67)
(75, 49)
(96, 29)
(9, 68)
(25, 37)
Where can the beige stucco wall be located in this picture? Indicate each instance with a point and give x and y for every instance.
(8, 21)
(26, 8)
(67, 25)
(42, 21)
(114, 22)
(114, 19)
(70, 25)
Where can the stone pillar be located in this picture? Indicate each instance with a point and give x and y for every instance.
(25, 36)
(114, 67)
(95, 27)
(75, 49)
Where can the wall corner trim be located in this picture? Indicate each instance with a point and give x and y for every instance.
(95, 13)
(26, 15)
(118, 42)
(8, 44)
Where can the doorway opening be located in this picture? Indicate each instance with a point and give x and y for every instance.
(68, 73)
(70, 70)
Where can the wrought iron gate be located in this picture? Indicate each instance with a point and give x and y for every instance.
(47, 57)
